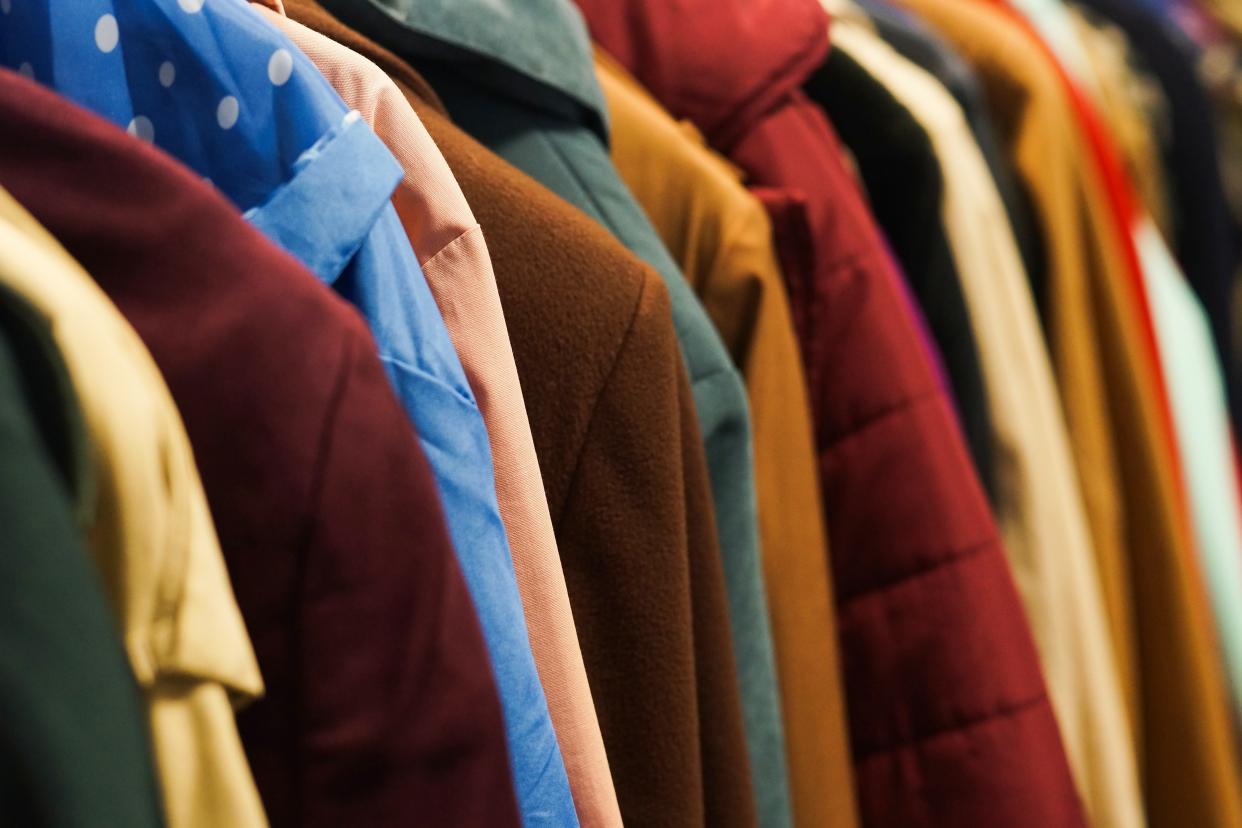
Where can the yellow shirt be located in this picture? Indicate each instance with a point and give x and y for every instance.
(721, 238)
(152, 538)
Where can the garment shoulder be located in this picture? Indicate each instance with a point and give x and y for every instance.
(641, 352)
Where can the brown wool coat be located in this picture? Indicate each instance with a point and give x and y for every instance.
(626, 480)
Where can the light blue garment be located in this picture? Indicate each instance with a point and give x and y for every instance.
(1201, 421)
(217, 87)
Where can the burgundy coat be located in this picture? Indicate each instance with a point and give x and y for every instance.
(381, 708)
(949, 720)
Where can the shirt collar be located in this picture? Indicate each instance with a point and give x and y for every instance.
(339, 187)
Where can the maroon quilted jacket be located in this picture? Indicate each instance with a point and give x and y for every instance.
(949, 720)
(381, 708)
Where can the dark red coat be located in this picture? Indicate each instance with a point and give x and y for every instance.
(949, 720)
(381, 708)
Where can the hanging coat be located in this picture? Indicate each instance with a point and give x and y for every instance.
(1188, 761)
(917, 562)
(1040, 508)
(518, 77)
(151, 538)
(327, 513)
(905, 191)
(233, 99)
(533, 100)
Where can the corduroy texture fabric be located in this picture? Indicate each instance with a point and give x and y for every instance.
(455, 260)
(75, 749)
(151, 536)
(950, 721)
(722, 240)
(591, 331)
(1187, 758)
(1040, 508)
(325, 505)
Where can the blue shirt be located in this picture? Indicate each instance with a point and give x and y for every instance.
(215, 86)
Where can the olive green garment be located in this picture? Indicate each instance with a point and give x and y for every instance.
(519, 77)
(73, 744)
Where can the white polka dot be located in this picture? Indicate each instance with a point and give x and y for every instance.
(106, 34)
(190, 6)
(26, 71)
(141, 128)
(227, 112)
(6, 6)
(168, 74)
(280, 67)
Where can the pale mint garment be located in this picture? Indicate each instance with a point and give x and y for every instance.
(1201, 423)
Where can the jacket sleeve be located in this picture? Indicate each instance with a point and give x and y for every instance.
(399, 716)
(643, 566)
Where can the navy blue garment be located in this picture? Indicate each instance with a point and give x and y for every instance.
(213, 84)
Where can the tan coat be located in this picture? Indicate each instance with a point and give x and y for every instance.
(721, 238)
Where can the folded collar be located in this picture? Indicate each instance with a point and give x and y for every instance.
(339, 187)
